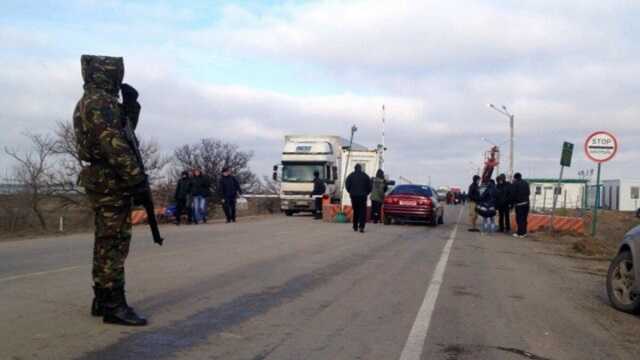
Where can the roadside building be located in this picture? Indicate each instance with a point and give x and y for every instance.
(571, 193)
(621, 194)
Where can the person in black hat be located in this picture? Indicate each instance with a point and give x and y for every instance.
(229, 189)
(358, 185)
(319, 188)
(521, 193)
(503, 203)
(183, 190)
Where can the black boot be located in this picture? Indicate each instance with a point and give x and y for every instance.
(97, 306)
(116, 310)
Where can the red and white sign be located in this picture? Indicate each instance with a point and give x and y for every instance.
(601, 146)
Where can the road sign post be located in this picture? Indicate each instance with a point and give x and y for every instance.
(600, 147)
(565, 160)
(596, 203)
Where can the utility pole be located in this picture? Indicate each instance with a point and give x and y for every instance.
(511, 140)
(383, 144)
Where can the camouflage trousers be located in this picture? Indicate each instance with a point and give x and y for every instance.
(112, 238)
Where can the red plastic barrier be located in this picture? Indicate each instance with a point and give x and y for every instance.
(538, 222)
(140, 216)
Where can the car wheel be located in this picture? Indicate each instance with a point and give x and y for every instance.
(620, 280)
(441, 219)
(433, 221)
(387, 220)
(288, 213)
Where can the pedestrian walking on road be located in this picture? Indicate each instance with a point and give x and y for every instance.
(487, 207)
(521, 192)
(358, 186)
(229, 190)
(503, 203)
(200, 192)
(378, 190)
(319, 188)
(181, 196)
(473, 195)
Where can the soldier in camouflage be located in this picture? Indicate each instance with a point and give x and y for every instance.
(111, 177)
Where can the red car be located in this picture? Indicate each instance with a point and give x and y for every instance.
(413, 203)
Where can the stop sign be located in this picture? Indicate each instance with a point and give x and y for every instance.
(601, 146)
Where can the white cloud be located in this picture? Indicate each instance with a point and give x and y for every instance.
(400, 36)
(564, 68)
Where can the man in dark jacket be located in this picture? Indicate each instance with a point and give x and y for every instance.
(200, 192)
(473, 196)
(319, 188)
(229, 189)
(358, 186)
(503, 203)
(520, 192)
(183, 190)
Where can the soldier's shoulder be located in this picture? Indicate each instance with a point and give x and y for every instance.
(104, 108)
(97, 100)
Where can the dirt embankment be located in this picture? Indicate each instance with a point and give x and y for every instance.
(612, 226)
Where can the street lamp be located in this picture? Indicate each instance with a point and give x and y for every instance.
(503, 110)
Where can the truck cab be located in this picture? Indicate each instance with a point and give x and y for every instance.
(301, 157)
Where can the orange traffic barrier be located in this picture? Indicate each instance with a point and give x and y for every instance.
(538, 222)
(140, 216)
(329, 212)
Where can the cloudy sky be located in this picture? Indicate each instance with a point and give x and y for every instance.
(249, 72)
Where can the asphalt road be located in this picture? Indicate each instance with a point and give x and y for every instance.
(295, 288)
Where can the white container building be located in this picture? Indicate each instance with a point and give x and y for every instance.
(621, 194)
(571, 194)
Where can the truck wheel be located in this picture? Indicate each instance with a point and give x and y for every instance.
(288, 213)
(620, 280)
(387, 220)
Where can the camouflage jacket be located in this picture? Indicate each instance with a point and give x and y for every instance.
(100, 123)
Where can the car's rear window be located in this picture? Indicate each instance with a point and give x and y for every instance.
(421, 190)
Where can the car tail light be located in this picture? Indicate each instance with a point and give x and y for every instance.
(425, 202)
(390, 200)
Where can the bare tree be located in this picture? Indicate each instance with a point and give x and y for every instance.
(154, 161)
(211, 156)
(69, 165)
(268, 186)
(67, 147)
(34, 171)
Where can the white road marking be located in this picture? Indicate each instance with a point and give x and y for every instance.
(17, 277)
(415, 342)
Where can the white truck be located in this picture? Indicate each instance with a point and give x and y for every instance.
(304, 154)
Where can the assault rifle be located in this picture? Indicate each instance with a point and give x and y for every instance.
(143, 195)
(145, 199)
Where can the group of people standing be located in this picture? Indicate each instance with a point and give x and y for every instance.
(194, 190)
(498, 198)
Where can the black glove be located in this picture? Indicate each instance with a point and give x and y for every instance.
(129, 93)
(130, 104)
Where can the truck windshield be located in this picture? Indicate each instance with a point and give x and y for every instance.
(297, 172)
